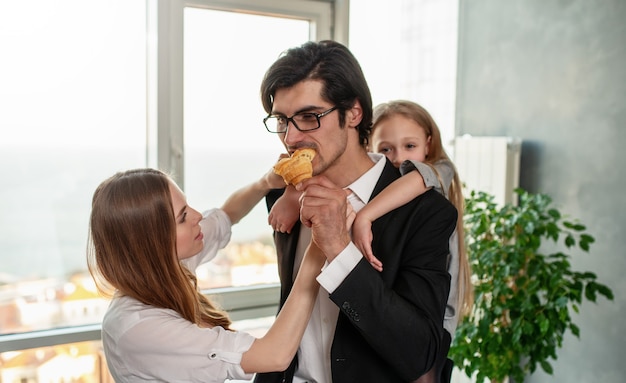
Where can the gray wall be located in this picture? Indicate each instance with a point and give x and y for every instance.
(554, 74)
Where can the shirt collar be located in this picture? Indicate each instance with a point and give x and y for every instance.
(364, 185)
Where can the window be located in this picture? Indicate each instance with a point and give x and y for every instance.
(91, 87)
(226, 145)
(415, 59)
(72, 112)
(79, 103)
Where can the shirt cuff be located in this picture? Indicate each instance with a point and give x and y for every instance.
(335, 272)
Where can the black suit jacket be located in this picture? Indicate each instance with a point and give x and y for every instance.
(390, 325)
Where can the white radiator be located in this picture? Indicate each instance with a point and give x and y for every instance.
(489, 164)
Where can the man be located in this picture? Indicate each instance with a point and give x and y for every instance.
(366, 326)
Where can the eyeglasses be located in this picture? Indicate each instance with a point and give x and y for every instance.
(304, 122)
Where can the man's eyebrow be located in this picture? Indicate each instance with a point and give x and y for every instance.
(304, 109)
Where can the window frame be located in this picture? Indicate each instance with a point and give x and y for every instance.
(241, 303)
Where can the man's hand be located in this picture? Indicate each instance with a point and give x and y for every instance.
(324, 208)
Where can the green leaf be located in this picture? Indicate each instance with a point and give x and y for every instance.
(584, 245)
(561, 302)
(574, 226)
(544, 324)
(547, 367)
(554, 214)
(553, 231)
(590, 292)
(575, 330)
(588, 275)
(587, 238)
(602, 289)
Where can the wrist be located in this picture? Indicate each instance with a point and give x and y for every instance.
(332, 250)
(272, 181)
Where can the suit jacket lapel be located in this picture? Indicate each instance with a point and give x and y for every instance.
(389, 174)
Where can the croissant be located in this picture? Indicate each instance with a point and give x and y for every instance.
(296, 168)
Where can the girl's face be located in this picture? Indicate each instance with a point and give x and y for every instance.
(189, 238)
(400, 139)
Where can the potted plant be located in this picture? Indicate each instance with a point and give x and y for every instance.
(523, 296)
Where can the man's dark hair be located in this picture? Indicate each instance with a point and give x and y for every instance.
(331, 63)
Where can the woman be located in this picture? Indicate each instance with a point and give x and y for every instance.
(145, 243)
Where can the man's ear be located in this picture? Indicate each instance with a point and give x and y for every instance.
(354, 115)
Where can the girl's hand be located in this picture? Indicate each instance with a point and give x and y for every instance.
(362, 238)
(286, 211)
(350, 216)
(283, 216)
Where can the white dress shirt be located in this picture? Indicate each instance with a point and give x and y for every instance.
(144, 343)
(314, 351)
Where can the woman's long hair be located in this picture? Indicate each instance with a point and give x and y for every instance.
(132, 247)
(436, 152)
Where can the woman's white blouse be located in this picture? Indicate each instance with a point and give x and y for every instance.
(147, 344)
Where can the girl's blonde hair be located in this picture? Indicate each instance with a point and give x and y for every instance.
(436, 152)
(132, 247)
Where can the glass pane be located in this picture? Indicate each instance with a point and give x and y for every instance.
(416, 59)
(72, 362)
(226, 144)
(72, 112)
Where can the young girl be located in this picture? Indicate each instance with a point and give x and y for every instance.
(145, 243)
(409, 137)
